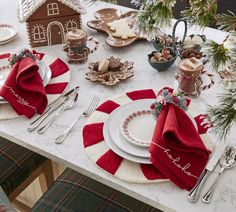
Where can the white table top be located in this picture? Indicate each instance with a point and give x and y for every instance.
(165, 196)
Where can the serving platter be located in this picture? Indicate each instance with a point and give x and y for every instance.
(105, 16)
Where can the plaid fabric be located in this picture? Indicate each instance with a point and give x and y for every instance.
(5, 205)
(16, 164)
(74, 192)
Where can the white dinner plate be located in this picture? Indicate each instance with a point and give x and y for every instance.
(7, 33)
(123, 154)
(117, 142)
(116, 122)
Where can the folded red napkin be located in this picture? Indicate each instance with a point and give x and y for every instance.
(24, 89)
(177, 149)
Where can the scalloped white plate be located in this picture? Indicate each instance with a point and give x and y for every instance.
(7, 33)
(138, 127)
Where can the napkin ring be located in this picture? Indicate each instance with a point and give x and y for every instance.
(169, 96)
(14, 58)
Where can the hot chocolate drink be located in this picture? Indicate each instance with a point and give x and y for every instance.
(189, 76)
(76, 46)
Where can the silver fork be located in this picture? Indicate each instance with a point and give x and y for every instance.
(60, 139)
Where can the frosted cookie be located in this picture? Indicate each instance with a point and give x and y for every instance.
(122, 29)
(124, 32)
(114, 24)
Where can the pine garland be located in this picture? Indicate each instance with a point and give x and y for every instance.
(223, 115)
(201, 12)
(154, 15)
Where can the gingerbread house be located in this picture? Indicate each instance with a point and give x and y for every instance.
(48, 21)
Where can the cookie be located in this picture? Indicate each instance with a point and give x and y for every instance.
(114, 24)
(153, 60)
(95, 66)
(122, 29)
(124, 32)
(114, 65)
(157, 55)
(103, 65)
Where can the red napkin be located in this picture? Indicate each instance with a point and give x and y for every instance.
(177, 149)
(24, 89)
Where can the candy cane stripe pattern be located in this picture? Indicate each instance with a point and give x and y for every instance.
(100, 153)
(57, 85)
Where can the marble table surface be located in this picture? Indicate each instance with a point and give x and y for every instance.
(165, 196)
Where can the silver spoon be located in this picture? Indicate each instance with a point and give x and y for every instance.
(227, 161)
(63, 108)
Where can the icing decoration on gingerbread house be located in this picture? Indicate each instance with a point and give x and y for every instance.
(47, 21)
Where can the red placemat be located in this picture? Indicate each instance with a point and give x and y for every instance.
(99, 152)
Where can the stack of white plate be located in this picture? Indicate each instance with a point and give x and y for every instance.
(128, 130)
(44, 71)
(8, 32)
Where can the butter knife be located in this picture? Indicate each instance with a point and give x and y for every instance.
(218, 151)
(33, 125)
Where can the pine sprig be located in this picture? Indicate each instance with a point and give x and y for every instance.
(154, 15)
(226, 22)
(223, 115)
(201, 12)
(216, 54)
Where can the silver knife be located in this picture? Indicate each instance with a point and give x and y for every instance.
(33, 125)
(218, 151)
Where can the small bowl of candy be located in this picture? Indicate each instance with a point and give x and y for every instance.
(163, 40)
(191, 52)
(194, 41)
(163, 59)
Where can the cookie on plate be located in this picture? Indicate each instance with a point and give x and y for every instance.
(103, 65)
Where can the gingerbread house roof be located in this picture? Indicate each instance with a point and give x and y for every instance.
(27, 7)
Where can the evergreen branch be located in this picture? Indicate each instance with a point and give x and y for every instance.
(154, 15)
(201, 12)
(226, 22)
(216, 54)
(223, 116)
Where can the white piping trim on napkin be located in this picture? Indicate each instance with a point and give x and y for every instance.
(20, 99)
(175, 161)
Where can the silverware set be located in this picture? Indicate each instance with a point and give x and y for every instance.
(35, 124)
(226, 156)
(65, 102)
(67, 105)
